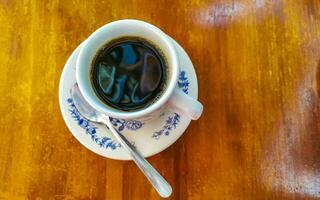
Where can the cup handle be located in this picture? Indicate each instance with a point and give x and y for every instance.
(184, 104)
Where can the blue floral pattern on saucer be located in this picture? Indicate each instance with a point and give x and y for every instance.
(183, 82)
(90, 129)
(171, 124)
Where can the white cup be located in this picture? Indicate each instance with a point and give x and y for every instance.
(171, 97)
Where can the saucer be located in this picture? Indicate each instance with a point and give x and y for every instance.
(149, 138)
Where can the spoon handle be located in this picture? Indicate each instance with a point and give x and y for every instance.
(159, 183)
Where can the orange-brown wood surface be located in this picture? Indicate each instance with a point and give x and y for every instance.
(258, 67)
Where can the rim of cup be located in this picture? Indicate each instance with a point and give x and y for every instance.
(114, 30)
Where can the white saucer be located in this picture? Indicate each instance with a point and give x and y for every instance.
(150, 138)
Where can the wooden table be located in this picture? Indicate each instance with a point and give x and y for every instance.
(258, 67)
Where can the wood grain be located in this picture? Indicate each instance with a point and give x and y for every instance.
(258, 65)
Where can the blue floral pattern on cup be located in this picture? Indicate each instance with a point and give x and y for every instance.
(173, 120)
(121, 124)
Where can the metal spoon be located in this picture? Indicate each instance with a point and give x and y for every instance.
(158, 182)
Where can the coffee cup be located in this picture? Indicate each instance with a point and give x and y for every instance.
(171, 98)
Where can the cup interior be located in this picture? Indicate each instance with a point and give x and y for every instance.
(115, 30)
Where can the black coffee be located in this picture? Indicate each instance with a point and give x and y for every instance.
(129, 73)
